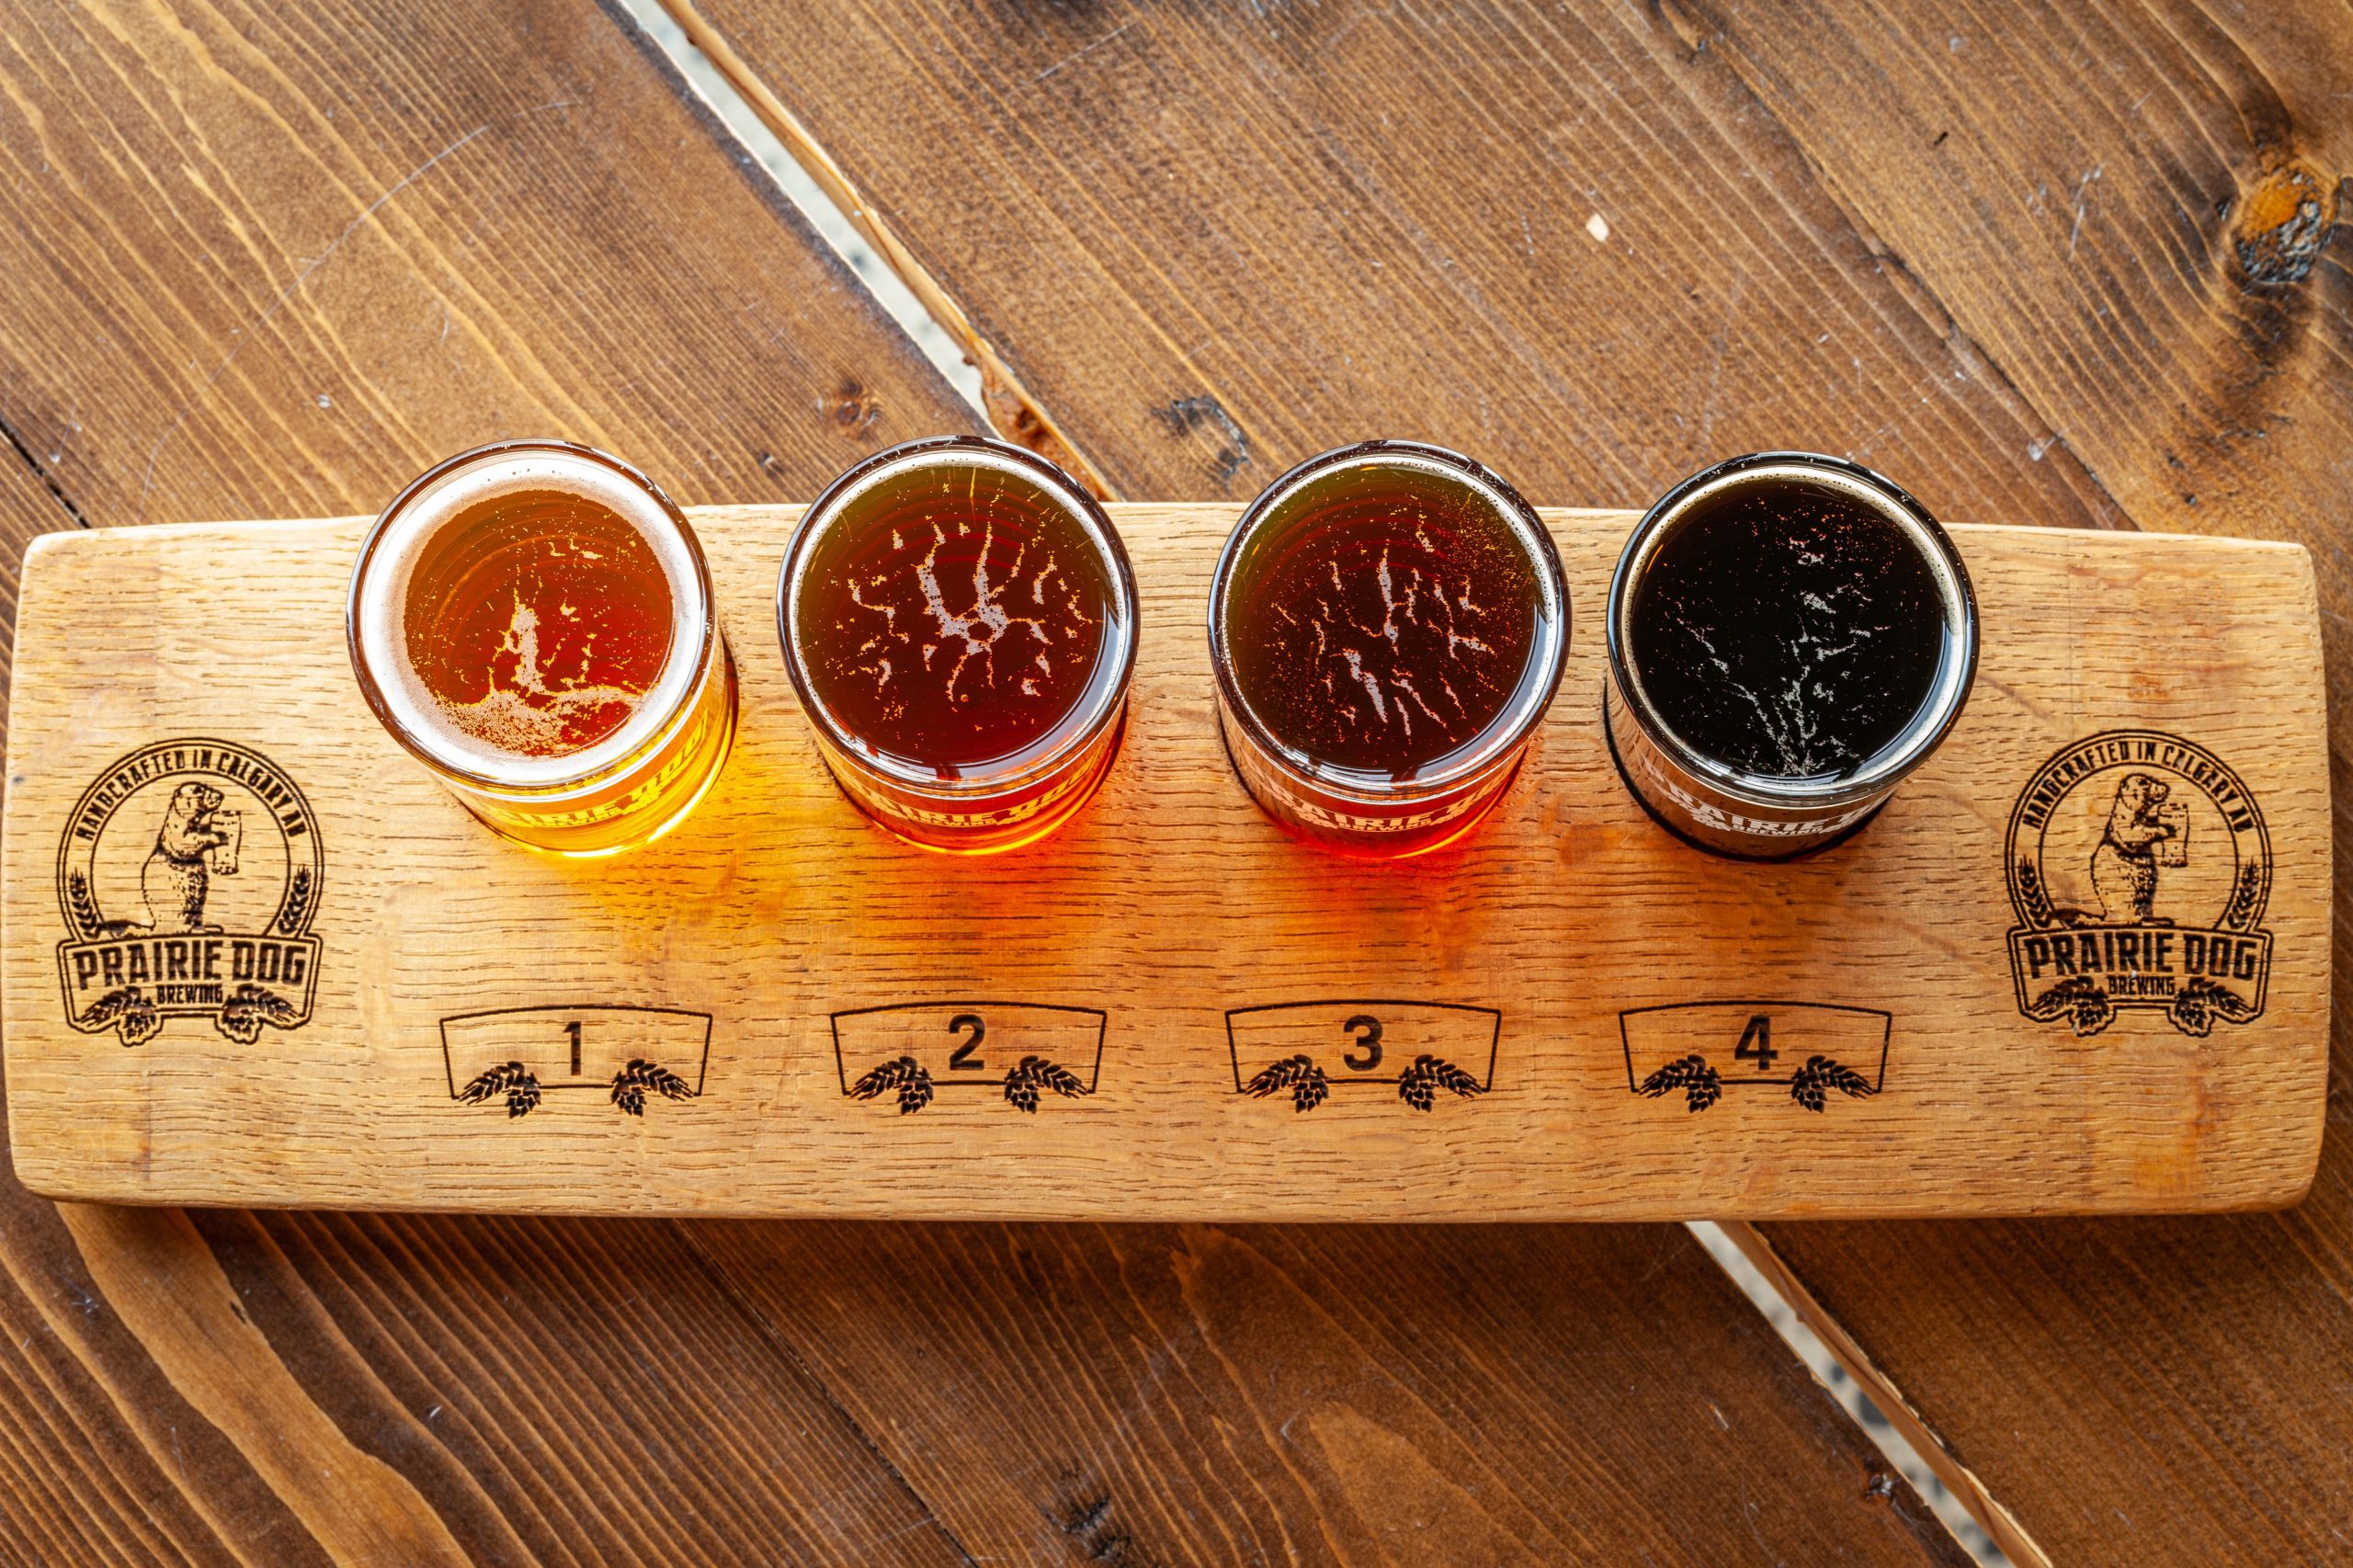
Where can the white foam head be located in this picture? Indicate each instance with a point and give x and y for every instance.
(388, 563)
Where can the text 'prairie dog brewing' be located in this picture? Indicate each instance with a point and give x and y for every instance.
(959, 620)
(533, 621)
(1387, 624)
(1789, 635)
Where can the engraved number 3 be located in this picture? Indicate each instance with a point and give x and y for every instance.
(1366, 1029)
(963, 1060)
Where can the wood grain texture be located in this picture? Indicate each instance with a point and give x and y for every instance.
(777, 917)
(1955, 143)
(293, 256)
(2155, 268)
(27, 508)
(274, 262)
(192, 244)
(1212, 243)
(1409, 1395)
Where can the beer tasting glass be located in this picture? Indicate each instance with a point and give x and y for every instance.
(1388, 623)
(1789, 635)
(959, 619)
(533, 621)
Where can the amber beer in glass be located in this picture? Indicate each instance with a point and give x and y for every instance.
(1789, 635)
(533, 620)
(959, 620)
(1387, 625)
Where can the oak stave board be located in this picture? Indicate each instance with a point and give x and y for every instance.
(749, 951)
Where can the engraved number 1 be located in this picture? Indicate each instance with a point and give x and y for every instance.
(573, 1029)
(1757, 1042)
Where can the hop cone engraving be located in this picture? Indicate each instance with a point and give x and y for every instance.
(1700, 1083)
(631, 1083)
(131, 1013)
(906, 1076)
(1306, 1081)
(249, 1007)
(1034, 1073)
(2197, 1005)
(1419, 1084)
(2085, 1006)
(1820, 1075)
(512, 1079)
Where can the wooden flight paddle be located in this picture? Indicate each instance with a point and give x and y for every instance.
(255, 956)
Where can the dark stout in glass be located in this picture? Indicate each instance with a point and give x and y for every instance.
(1388, 623)
(1788, 629)
(958, 617)
(1791, 635)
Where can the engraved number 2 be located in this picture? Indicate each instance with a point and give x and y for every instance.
(1366, 1029)
(963, 1060)
(1757, 1042)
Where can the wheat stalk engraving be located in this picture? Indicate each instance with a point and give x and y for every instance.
(1820, 1075)
(1306, 1081)
(297, 902)
(1418, 1084)
(87, 923)
(904, 1074)
(631, 1084)
(2034, 895)
(2244, 900)
(512, 1079)
(1034, 1073)
(1700, 1083)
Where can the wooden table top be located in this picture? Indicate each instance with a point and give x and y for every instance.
(2071, 266)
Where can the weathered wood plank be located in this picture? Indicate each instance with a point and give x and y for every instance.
(270, 263)
(261, 260)
(1214, 242)
(27, 509)
(2145, 249)
(1328, 1394)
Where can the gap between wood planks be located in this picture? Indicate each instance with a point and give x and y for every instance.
(918, 303)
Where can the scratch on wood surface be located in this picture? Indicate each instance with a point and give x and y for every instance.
(1083, 50)
(245, 335)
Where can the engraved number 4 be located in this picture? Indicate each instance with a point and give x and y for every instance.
(1756, 1043)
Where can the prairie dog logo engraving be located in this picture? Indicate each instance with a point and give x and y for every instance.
(188, 876)
(2139, 868)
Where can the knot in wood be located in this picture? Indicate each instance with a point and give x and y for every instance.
(2283, 223)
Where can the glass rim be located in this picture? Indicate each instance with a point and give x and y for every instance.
(643, 733)
(1921, 734)
(1102, 701)
(1501, 738)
